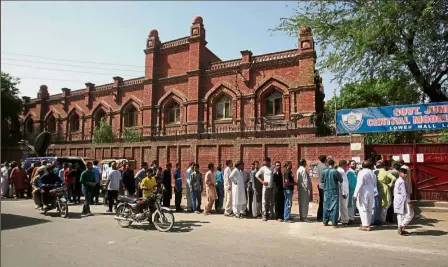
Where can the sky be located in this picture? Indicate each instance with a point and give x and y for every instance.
(57, 43)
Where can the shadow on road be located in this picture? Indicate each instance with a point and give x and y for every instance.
(430, 233)
(179, 227)
(14, 199)
(11, 221)
(186, 226)
(420, 219)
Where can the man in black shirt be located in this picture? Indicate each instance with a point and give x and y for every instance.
(128, 180)
(279, 194)
(166, 181)
(289, 191)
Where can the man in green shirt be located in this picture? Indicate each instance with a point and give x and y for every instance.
(88, 183)
(330, 178)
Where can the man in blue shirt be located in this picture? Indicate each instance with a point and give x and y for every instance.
(96, 175)
(139, 176)
(47, 182)
(219, 184)
(177, 187)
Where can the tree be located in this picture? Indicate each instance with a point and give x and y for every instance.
(11, 103)
(400, 39)
(11, 108)
(375, 93)
(103, 133)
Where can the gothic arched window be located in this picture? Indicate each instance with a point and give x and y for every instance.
(130, 117)
(74, 122)
(274, 103)
(224, 108)
(173, 113)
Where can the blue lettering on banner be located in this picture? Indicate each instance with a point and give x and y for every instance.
(420, 117)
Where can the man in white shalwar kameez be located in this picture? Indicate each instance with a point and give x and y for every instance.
(238, 179)
(364, 194)
(403, 206)
(228, 189)
(304, 187)
(188, 193)
(343, 193)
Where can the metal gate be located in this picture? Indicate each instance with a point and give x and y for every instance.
(428, 164)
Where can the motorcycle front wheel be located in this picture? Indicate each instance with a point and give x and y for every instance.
(63, 209)
(163, 221)
(124, 211)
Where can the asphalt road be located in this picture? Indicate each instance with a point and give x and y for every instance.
(32, 239)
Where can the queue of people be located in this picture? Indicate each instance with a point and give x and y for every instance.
(266, 192)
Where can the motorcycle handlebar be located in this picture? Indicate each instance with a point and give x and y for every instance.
(53, 185)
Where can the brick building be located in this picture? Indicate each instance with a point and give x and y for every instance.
(191, 105)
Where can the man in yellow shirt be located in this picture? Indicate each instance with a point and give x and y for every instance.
(148, 184)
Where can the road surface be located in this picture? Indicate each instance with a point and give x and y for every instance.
(29, 238)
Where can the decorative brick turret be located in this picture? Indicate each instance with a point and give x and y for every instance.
(43, 93)
(151, 55)
(196, 51)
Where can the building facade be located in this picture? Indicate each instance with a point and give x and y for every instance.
(189, 91)
(192, 106)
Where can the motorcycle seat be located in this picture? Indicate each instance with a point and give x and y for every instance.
(127, 199)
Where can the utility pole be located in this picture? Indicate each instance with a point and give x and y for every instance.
(335, 109)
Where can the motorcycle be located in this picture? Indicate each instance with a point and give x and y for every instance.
(132, 209)
(58, 200)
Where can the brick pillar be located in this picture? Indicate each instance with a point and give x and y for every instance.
(64, 101)
(287, 106)
(196, 49)
(149, 97)
(88, 94)
(43, 97)
(246, 64)
(118, 81)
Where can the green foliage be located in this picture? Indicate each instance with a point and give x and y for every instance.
(11, 103)
(403, 40)
(444, 137)
(11, 109)
(103, 133)
(132, 135)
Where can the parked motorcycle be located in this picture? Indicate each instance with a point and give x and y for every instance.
(132, 209)
(58, 200)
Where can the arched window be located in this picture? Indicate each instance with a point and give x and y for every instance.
(29, 126)
(74, 122)
(99, 115)
(173, 113)
(274, 104)
(130, 117)
(224, 108)
(51, 124)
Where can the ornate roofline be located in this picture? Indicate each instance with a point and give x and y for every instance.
(97, 89)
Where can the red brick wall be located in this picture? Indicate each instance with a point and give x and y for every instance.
(225, 153)
(206, 154)
(211, 151)
(250, 153)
